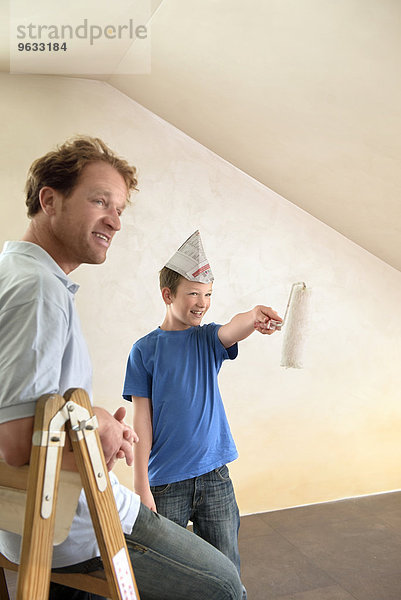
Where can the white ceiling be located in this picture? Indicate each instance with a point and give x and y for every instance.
(303, 95)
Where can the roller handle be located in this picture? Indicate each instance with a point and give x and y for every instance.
(277, 324)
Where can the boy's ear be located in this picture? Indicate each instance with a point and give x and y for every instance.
(167, 295)
(47, 199)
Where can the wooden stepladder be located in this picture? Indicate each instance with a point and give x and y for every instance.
(38, 489)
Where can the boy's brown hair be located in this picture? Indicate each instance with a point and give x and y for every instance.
(169, 279)
(61, 168)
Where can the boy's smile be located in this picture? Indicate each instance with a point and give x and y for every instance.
(188, 306)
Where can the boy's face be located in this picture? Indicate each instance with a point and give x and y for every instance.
(189, 304)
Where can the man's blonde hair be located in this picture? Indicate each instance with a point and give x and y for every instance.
(61, 168)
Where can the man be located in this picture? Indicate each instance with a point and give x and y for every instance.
(76, 196)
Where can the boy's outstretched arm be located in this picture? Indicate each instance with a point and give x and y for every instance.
(143, 427)
(243, 324)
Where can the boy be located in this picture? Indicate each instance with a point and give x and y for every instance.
(185, 440)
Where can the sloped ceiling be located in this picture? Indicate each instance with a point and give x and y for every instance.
(303, 95)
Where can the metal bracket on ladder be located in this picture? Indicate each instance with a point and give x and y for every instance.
(83, 427)
(54, 438)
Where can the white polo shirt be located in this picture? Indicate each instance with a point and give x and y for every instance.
(42, 350)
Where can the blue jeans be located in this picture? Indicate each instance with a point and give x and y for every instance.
(169, 563)
(209, 502)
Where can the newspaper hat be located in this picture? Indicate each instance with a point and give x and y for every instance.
(190, 261)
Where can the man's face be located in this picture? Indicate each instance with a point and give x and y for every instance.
(82, 225)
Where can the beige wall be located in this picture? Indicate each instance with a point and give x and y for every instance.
(328, 431)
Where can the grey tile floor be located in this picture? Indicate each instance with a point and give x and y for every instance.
(347, 550)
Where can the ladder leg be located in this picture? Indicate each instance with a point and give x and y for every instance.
(102, 506)
(37, 541)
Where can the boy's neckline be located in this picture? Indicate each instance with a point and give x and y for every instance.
(178, 330)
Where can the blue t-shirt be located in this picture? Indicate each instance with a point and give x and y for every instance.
(178, 371)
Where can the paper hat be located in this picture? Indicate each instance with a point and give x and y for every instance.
(190, 261)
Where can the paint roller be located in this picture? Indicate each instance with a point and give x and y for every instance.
(294, 324)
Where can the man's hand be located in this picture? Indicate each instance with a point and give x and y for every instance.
(117, 438)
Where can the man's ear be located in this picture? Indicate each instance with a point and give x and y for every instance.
(167, 295)
(47, 199)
